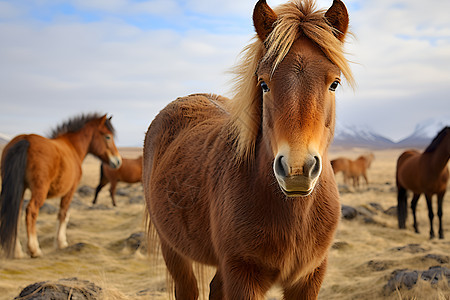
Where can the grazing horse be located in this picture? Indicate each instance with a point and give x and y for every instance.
(358, 168)
(424, 173)
(245, 184)
(130, 172)
(49, 167)
(341, 164)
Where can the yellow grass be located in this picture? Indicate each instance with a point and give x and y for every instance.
(358, 269)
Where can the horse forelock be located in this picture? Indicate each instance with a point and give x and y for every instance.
(295, 19)
(77, 123)
(438, 139)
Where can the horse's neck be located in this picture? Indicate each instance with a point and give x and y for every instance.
(80, 141)
(438, 160)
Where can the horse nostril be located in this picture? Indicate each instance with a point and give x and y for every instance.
(317, 167)
(312, 166)
(281, 168)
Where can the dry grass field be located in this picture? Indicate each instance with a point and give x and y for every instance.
(367, 248)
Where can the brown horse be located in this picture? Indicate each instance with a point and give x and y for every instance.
(341, 164)
(424, 173)
(49, 167)
(130, 172)
(245, 184)
(358, 168)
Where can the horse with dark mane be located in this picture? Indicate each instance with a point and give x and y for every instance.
(129, 172)
(245, 184)
(424, 173)
(49, 167)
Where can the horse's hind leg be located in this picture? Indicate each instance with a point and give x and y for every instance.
(102, 183)
(112, 191)
(430, 214)
(182, 273)
(63, 218)
(414, 201)
(439, 213)
(32, 211)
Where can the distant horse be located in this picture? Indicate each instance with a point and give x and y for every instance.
(424, 173)
(358, 168)
(246, 184)
(341, 164)
(49, 167)
(130, 172)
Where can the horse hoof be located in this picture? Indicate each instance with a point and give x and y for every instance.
(36, 255)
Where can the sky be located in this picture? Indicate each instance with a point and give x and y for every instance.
(130, 58)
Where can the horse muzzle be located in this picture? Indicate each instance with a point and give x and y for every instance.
(115, 162)
(297, 180)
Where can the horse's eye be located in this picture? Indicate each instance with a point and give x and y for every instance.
(107, 137)
(264, 87)
(334, 86)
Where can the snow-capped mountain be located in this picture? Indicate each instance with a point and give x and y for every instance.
(359, 136)
(4, 139)
(424, 133)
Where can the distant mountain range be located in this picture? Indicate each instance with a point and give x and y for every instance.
(357, 136)
(3, 139)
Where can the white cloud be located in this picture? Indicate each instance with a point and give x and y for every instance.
(53, 70)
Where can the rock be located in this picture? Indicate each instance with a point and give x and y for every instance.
(442, 259)
(137, 199)
(136, 240)
(400, 279)
(379, 265)
(86, 191)
(377, 206)
(407, 278)
(411, 248)
(68, 288)
(48, 209)
(365, 212)
(434, 274)
(391, 211)
(122, 192)
(348, 212)
(340, 245)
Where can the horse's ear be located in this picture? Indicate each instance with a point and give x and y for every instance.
(102, 120)
(338, 17)
(263, 19)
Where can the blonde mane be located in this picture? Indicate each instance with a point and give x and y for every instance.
(295, 18)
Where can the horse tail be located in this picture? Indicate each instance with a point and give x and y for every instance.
(13, 188)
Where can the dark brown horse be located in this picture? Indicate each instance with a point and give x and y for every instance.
(424, 173)
(49, 167)
(245, 184)
(130, 172)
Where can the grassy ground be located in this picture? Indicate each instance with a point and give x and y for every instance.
(367, 249)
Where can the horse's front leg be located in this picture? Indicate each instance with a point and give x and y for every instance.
(308, 287)
(63, 218)
(246, 280)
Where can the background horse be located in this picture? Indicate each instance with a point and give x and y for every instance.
(358, 168)
(49, 168)
(341, 164)
(130, 172)
(424, 173)
(246, 184)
